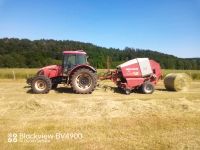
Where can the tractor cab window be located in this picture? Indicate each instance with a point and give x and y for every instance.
(81, 59)
(71, 60)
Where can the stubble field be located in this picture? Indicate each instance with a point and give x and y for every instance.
(105, 119)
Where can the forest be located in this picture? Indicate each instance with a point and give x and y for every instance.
(25, 53)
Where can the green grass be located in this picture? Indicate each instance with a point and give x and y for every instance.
(22, 73)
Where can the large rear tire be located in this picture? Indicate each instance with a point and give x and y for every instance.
(41, 84)
(84, 81)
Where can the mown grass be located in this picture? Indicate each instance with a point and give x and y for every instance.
(22, 73)
(134, 133)
(107, 120)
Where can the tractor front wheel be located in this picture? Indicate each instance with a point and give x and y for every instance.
(147, 88)
(41, 84)
(84, 81)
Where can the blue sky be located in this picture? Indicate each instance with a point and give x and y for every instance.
(169, 26)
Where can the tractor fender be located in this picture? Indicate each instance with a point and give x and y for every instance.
(81, 66)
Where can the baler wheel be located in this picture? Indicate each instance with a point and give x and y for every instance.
(41, 84)
(147, 88)
(128, 91)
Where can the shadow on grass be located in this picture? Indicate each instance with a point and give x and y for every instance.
(30, 91)
(161, 89)
(109, 88)
(57, 90)
(115, 89)
(63, 90)
(137, 91)
(105, 88)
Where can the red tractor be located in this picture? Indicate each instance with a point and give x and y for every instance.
(74, 71)
(139, 73)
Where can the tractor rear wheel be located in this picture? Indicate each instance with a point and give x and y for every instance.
(41, 84)
(84, 81)
(147, 88)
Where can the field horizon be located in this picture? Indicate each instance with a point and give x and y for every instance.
(23, 73)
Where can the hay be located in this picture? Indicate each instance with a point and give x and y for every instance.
(177, 81)
(30, 105)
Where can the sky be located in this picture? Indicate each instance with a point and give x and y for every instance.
(167, 26)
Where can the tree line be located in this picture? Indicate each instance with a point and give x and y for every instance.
(24, 53)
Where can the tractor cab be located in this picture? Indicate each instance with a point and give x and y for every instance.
(72, 59)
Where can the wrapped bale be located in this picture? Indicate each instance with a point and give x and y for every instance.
(177, 81)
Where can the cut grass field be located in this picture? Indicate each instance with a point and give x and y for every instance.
(23, 73)
(106, 119)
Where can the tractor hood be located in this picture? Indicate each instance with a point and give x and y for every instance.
(51, 71)
(51, 67)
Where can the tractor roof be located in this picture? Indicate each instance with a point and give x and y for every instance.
(75, 52)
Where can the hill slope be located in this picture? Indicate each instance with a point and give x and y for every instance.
(25, 53)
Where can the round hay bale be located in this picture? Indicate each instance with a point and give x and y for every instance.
(177, 81)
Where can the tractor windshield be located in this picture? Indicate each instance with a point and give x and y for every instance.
(71, 60)
(81, 59)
